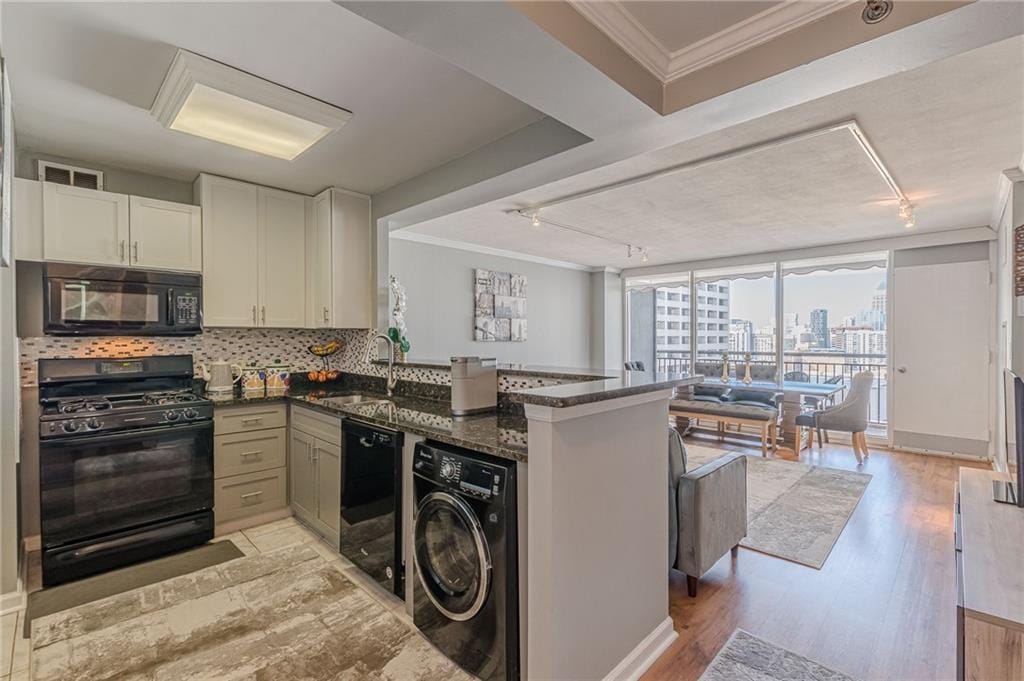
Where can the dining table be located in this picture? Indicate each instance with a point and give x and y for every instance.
(793, 394)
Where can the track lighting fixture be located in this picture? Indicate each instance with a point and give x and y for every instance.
(906, 213)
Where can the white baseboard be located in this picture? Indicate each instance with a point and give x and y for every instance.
(641, 658)
(13, 601)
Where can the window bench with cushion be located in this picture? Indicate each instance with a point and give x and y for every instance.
(733, 406)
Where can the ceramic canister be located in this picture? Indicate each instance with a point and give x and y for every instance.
(277, 377)
(254, 380)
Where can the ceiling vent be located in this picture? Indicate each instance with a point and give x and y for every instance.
(58, 173)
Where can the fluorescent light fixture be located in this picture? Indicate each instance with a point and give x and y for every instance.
(208, 99)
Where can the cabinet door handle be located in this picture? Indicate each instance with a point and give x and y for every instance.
(135, 251)
(263, 314)
(122, 250)
(325, 315)
(250, 495)
(254, 315)
(316, 453)
(258, 419)
(246, 455)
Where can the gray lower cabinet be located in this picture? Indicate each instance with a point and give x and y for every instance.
(314, 466)
(249, 464)
(302, 472)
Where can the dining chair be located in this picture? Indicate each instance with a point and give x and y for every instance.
(849, 416)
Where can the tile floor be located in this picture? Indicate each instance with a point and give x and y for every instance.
(16, 652)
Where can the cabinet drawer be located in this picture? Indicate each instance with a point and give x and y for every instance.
(228, 420)
(239, 453)
(244, 495)
(318, 424)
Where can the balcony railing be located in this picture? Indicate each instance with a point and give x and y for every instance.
(811, 367)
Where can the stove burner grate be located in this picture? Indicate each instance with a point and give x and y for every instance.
(76, 405)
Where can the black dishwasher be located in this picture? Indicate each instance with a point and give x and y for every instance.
(371, 502)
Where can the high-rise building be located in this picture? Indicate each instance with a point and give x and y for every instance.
(863, 341)
(741, 335)
(874, 318)
(819, 328)
(672, 318)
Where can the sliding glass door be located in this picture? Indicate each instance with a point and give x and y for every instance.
(833, 322)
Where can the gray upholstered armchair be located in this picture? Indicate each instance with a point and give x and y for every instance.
(849, 416)
(707, 510)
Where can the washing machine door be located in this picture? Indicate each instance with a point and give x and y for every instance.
(453, 561)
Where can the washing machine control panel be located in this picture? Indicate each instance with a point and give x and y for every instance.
(474, 478)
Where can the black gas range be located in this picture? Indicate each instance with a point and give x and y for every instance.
(125, 462)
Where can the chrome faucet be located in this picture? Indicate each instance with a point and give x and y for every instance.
(371, 346)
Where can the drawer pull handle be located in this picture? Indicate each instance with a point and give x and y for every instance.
(246, 455)
(250, 495)
(255, 420)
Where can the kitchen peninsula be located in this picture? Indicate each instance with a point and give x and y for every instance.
(591, 457)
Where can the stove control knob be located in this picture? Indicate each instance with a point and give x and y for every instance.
(190, 413)
(172, 415)
(92, 424)
(70, 426)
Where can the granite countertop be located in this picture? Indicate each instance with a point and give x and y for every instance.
(498, 434)
(627, 383)
(578, 373)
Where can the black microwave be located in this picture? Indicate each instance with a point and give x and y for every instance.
(84, 300)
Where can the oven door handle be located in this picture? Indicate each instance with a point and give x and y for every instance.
(127, 435)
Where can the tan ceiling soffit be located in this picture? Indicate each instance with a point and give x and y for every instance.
(779, 39)
(559, 20)
(833, 33)
(614, 18)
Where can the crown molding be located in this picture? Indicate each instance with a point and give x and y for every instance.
(615, 20)
(430, 240)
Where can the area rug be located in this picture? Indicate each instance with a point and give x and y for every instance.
(285, 614)
(745, 656)
(794, 511)
(57, 598)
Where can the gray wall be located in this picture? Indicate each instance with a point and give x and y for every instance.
(114, 179)
(439, 316)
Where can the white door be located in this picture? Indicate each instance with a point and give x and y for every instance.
(84, 225)
(165, 235)
(942, 378)
(230, 214)
(319, 260)
(282, 258)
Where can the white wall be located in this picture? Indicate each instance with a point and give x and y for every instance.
(439, 317)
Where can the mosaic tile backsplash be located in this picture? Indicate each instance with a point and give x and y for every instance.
(245, 346)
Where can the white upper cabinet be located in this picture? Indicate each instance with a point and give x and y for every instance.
(27, 218)
(282, 258)
(165, 235)
(254, 254)
(340, 275)
(93, 227)
(230, 266)
(85, 225)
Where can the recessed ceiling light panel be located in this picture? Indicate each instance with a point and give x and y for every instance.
(208, 99)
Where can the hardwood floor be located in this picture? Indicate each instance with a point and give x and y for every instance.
(882, 607)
